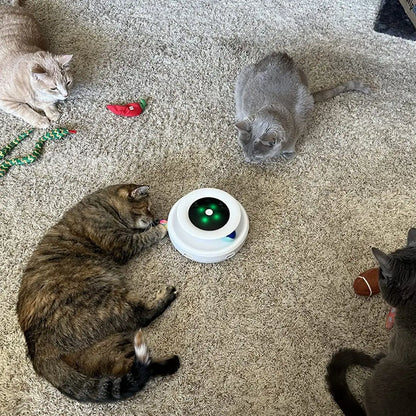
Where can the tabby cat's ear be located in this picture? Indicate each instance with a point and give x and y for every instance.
(137, 193)
(38, 72)
(243, 125)
(63, 60)
(411, 238)
(383, 260)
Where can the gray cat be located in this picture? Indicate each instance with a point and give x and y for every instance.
(273, 103)
(391, 389)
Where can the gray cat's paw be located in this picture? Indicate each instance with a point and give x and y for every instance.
(289, 155)
(167, 293)
(363, 88)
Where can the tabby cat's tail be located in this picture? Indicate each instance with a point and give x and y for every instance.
(353, 85)
(85, 388)
(337, 379)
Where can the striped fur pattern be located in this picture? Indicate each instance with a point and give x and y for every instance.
(80, 319)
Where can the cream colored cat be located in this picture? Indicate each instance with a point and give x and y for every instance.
(32, 80)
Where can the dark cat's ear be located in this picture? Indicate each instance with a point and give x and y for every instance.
(383, 260)
(139, 192)
(411, 238)
(38, 72)
(63, 60)
(243, 126)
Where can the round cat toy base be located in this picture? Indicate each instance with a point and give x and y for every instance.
(208, 225)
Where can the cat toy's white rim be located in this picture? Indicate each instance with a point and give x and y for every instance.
(185, 203)
(208, 246)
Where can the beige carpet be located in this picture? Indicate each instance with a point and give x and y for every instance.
(254, 333)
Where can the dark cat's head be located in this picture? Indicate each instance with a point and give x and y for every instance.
(262, 136)
(397, 277)
(131, 204)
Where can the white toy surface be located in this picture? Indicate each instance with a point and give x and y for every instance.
(208, 225)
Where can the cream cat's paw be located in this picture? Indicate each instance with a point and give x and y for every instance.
(41, 123)
(53, 115)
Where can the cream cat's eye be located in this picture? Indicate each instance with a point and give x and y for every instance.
(53, 89)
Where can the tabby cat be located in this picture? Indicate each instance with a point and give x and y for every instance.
(80, 320)
(391, 389)
(273, 104)
(32, 80)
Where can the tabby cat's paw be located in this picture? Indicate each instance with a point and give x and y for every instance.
(167, 293)
(161, 230)
(172, 365)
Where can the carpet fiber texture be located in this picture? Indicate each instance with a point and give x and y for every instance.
(254, 333)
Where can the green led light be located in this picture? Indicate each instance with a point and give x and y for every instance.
(209, 214)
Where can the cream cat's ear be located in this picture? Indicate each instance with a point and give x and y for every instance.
(63, 60)
(137, 193)
(38, 72)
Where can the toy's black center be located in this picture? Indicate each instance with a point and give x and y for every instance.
(209, 214)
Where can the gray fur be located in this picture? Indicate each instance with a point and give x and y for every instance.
(273, 103)
(390, 390)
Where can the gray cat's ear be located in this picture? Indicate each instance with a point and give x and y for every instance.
(411, 238)
(139, 192)
(38, 72)
(383, 260)
(63, 60)
(243, 126)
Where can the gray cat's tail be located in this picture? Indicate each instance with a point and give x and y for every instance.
(353, 85)
(337, 379)
(86, 388)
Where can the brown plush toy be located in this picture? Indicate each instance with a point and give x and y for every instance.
(366, 284)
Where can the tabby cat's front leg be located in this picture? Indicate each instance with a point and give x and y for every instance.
(26, 113)
(136, 242)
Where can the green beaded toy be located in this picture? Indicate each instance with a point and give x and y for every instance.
(54, 134)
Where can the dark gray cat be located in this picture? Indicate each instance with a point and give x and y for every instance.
(391, 389)
(273, 103)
